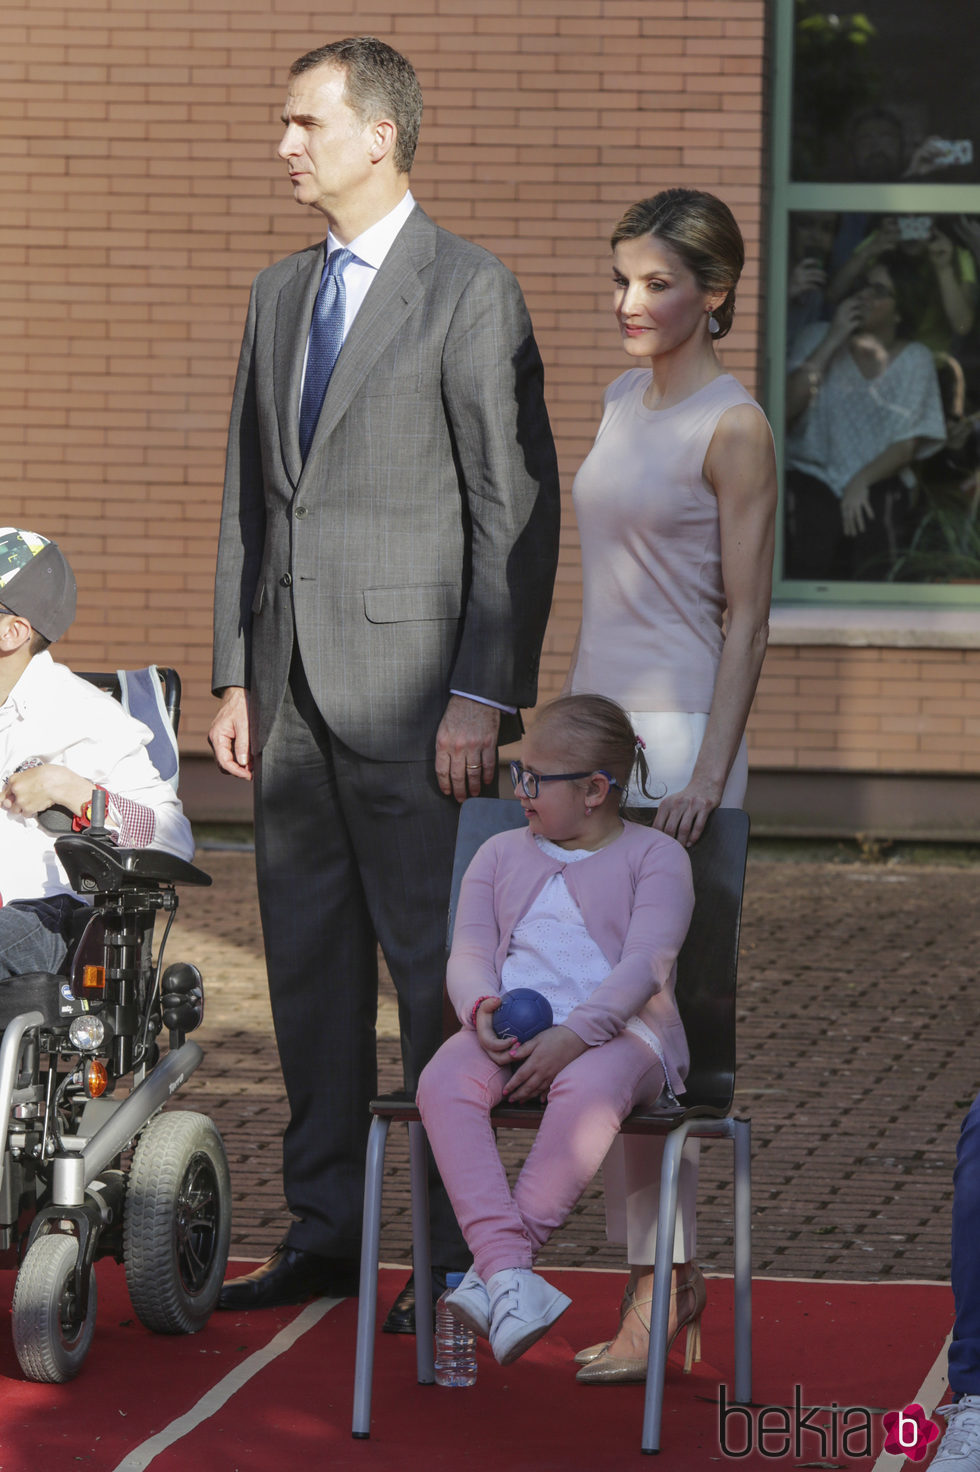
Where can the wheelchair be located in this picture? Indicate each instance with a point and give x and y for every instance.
(87, 1169)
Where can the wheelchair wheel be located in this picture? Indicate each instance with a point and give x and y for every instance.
(50, 1335)
(177, 1223)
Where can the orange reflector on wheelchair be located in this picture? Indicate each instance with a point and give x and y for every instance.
(93, 978)
(96, 1078)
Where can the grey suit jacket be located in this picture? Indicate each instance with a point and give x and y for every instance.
(414, 552)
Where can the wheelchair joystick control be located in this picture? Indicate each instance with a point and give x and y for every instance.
(97, 828)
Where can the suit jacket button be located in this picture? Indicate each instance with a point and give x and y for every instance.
(300, 511)
(285, 581)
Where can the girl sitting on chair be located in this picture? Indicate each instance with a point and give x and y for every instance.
(591, 911)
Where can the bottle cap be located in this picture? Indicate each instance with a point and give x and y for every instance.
(453, 1280)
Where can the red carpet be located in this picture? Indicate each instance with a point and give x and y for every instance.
(862, 1346)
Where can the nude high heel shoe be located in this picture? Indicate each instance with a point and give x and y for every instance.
(605, 1369)
(586, 1356)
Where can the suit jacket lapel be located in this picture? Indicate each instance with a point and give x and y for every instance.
(294, 312)
(393, 296)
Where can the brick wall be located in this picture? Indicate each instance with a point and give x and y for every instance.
(140, 194)
(869, 710)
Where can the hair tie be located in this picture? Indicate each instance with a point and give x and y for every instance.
(639, 743)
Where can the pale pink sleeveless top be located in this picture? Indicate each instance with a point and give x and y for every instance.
(653, 599)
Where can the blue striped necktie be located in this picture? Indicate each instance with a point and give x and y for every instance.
(326, 339)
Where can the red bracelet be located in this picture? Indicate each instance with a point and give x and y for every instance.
(477, 1005)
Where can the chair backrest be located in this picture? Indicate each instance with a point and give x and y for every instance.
(479, 819)
(708, 961)
(151, 695)
(707, 966)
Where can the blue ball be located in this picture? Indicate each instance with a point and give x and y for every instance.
(522, 1014)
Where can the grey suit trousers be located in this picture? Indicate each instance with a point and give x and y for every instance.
(350, 852)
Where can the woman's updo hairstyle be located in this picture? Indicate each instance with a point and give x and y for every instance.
(703, 232)
(595, 733)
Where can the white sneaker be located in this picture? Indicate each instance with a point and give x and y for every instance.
(470, 1304)
(959, 1450)
(522, 1308)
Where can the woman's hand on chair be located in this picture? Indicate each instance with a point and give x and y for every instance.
(683, 814)
(542, 1059)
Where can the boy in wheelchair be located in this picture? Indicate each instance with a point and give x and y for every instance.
(84, 1171)
(59, 739)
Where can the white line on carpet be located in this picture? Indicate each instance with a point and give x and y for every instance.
(928, 1396)
(141, 1456)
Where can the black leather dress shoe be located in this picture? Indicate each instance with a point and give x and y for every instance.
(401, 1315)
(291, 1276)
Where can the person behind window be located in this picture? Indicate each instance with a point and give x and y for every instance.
(812, 234)
(941, 288)
(863, 403)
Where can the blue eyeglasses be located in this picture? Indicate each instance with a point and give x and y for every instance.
(529, 782)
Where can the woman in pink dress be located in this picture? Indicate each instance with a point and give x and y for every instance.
(676, 508)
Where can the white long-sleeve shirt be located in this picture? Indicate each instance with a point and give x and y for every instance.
(54, 716)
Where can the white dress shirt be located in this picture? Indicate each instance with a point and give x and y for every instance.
(53, 716)
(370, 249)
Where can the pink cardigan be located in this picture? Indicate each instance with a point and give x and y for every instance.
(636, 897)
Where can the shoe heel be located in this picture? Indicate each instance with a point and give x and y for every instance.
(692, 1346)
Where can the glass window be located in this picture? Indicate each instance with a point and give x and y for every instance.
(874, 334)
(886, 93)
(881, 460)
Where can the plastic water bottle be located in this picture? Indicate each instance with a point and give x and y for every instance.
(455, 1343)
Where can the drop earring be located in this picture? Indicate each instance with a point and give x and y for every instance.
(713, 326)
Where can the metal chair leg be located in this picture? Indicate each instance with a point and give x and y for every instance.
(367, 1304)
(660, 1307)
(742, 1141)
(421, 1253)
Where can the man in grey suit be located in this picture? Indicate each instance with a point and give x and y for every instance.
(386, 559)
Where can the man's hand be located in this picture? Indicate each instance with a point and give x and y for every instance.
(229, 734)
(466, 747)
(542, 1059)
(36, 789)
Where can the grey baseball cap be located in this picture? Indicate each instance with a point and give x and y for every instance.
(36, 581)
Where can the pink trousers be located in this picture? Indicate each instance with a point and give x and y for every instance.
(586, 1105)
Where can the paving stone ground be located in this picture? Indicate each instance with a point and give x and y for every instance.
(859, 1054)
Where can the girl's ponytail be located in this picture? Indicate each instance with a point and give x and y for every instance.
(597, 734)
